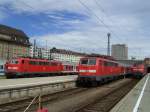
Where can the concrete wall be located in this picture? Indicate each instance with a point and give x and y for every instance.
(18, 93)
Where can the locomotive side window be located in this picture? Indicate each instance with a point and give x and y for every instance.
(116, 64)
(14, 62)
(92, 62)
(53, 64)
(110, 64)
(43, 63)
(105, 63)
(84, 62)
(33, 63)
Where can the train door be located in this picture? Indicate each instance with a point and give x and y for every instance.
(105, 68)
(101, 67)
(25, 65)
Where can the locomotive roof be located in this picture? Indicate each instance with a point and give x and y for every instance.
(39, 59)
(101, 59)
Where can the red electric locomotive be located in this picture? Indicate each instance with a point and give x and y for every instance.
(94, 70)
(138, 70)
(28, 67)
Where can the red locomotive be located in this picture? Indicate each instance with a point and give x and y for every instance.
(29, 67)
(138, 70)
(94, 70)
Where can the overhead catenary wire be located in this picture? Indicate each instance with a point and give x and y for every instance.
(99, 19)
(90, 11)
(106, 14)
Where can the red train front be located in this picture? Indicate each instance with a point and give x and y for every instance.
(138, 70)
(28, 67)
(95, 70)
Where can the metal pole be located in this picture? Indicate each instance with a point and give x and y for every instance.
(8, 51)
(108, 45)
(50, 54)
(34, 48)
(40, 106)
(46, 51)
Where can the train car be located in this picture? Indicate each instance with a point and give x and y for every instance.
(70, 69)
(95, 70)
(138, 70)
(29, 67)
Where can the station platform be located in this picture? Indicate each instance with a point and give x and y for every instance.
(137, 100)
(23, 88)
(24, 82)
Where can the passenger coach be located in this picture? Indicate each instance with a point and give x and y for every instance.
(95, 70)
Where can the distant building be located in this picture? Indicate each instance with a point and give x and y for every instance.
(65, 56)
(13, 43)
(119, 51)
(40, 52)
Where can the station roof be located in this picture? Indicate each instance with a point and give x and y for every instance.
(13, 35)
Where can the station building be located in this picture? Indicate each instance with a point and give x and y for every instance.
(40, 52)
(13, 43)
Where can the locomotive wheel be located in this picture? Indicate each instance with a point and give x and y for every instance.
(10, 77)
(78, 83)
(94, 84)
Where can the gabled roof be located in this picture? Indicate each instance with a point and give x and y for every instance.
(11, 31)
(13, 35)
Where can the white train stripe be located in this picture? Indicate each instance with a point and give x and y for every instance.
(92, 71)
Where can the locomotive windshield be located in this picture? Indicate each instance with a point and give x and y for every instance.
(88, 62)
(14, 61)
(84, 62)
(92, 62)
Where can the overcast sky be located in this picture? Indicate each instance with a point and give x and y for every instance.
(82, 26)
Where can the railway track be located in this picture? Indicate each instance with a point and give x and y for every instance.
(107, 102)
(99, 99)
(15, 106)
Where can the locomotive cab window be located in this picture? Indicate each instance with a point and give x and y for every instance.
(84, 62)
(14, 62)
(92, 61)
